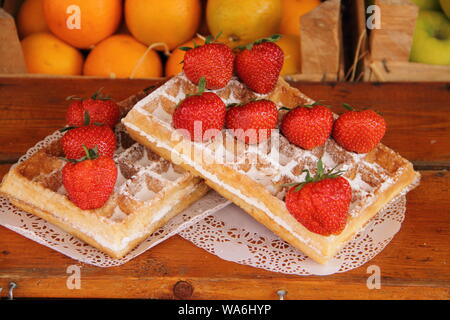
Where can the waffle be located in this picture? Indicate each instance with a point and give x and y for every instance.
(254, 176)
(149, 191)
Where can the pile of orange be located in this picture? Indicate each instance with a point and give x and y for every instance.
(140, 38)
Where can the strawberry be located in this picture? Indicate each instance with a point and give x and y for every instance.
(90, 181)
(91, 136)
(309, 126)
(359, 131)
(214, 61)
(101, 109)
(321, 203)
(258, 65)
(252, 122)
(201, 115)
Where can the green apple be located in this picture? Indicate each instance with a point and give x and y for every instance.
(428, 4)
(445, 5)
(431, 42)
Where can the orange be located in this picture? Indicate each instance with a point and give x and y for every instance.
(292, 11)
(30, 18)
(45, 53)
(292, 59)
(170, 21)
(173, 64)
(243, 21)
(122, 56)
(83, 23)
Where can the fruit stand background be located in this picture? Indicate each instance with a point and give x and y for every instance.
(322, 40)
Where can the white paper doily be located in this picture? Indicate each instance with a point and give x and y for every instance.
(52, 236)
(235, 236)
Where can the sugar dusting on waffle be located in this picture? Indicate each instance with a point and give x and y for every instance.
(143, 177)
(274, 166)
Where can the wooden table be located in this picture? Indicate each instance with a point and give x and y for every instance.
(416, 264)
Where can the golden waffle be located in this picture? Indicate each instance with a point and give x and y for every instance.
(253, 176)
(149, 191)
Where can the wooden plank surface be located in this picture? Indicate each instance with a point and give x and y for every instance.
(414, 265)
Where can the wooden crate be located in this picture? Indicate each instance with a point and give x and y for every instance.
(11, 56)
(382, 55)
(321, 46)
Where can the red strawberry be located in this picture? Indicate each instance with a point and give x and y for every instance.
(309, 126)
(90, 182)
(359, 131)
(101, 109)
(321, 203)
(214, 61)
(202, 114)
(91, 136)
(259, 64)
(253, 121)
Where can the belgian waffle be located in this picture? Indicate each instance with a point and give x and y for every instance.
(149, 191)
(254, 177)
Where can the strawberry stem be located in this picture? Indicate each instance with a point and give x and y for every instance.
(316, 103)
(273, 38)
(201, 85)
(232, 105)
(99, 96)
(321, 174)
(91, 154)
(348, 107)
(87, 118)
(210, 39)
(67, 129)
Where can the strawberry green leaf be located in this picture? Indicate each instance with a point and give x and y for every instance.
(320, 168)
(87, 118)
(218, 35)
(99, 96)
(348, 107)
(209, 39)
(67, 129)
(201, 85)
(321, 174)
(91, 154)
(273, 38)
(232, 105)
(316, 103)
